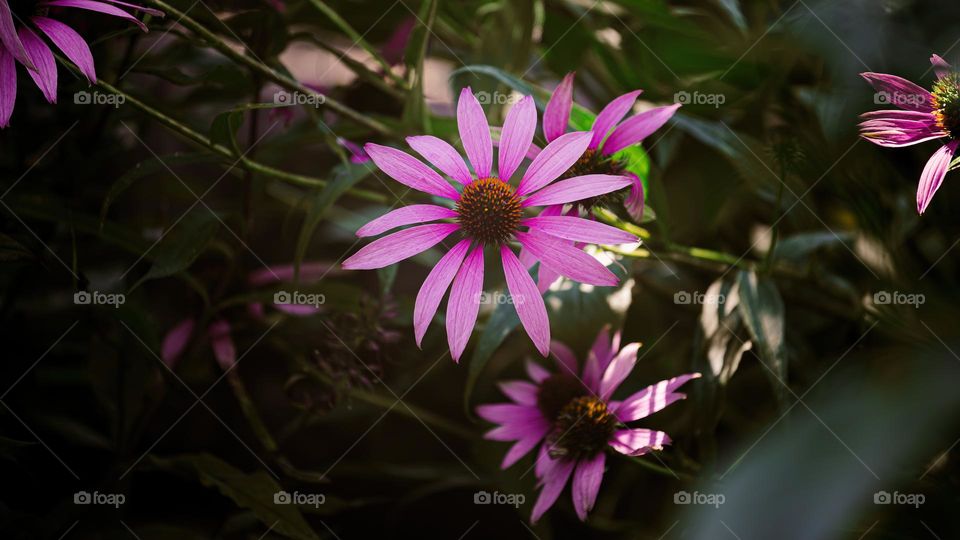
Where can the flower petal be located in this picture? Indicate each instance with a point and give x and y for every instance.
(579, 229)
(610, 115)
(475, 133)
(518, 130)
(464, 302)
(8, 86)
(586, 484)
(634, 201)
(933, 174)
(410, 171)
(554, 160)
(9, 39)
(565, 358)
(896, 128)
(175, 342)
(636, 442)
(567, 260)
(435, 286)
(556, 115)
(652, 398)
(940, 66)
(618, 370)
(415, 213)
(506, 413)
(536, 372)
(576, 189)
(70, 42)
(442, 156)
(524, 446)
(99, 7)
(638, 127)
(521, 392)
(900, 92)
(526, 300)
(554, 478)
(399, 246)
(221, 341)
(40, 55)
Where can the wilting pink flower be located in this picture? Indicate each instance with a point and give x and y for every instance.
(572, 417)
(599, 155)
(488, 211)
(19, 41)
(923, 116)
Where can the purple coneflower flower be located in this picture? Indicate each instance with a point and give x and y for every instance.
(19, 41)
(924, 116)
(489, 212)
(571, 416)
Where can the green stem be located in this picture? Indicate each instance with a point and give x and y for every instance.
(774, 231)
(660, 469)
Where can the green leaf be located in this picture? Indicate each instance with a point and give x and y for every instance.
(800, 245)
(415, 111)
(254, 491)
(180, 246)
(763, 314)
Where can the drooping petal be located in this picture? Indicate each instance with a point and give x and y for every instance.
(618, 370)
(543, 461)
(518, 130)
(410, 171)
(526, 300)
(435, 286)
(634, 201)
(900, 92)
(567, 260)
(579, 229)
(8, 86)
(523, 446)
(99, 7)
(136, 7)
(505, 413)
(518, 429)
(552, 161)
(564, 357)
(40, 55)
(408, 215)
(638, 127)
(586, 484)
(521, 392)
(652, 398)
(175, 342)
(576, 189)
(9, 38)
(475, 133)
(536, 372)
(610, 115)
(442, 156)
(464, 302)
(221, 341)
(940, 66)
(399, 246)
(70, 42)
(895, 128)
(933, 174)
(636, 442)
(554, 479)
(556, 115)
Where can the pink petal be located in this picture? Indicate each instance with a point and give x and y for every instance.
(518, 429)
(601, 353)
(442, 156)
(636, 442)
(505, 413)
(435, 286)
(543, 462)
(610, 115)
(536, 372)
(546, 277)
(99, 7)
(576, 189)
(221, 340)
(652, 398)
(415, 213)
(901, 92)
(896, 128)
(8, 36)
(410, 171)
(565, 358)
(618, 370)
(554, 160)
(638, 127)
(40, 55)
(940, 66)
(464, 302)
(175, 342)
(526, 300)
(556, 116)
(70, 42)
(579, 229)
(399, 246)
(8, 86)
(933, 174)
(567, 260)
(634, 201)
(518, 131)
(151, 11)
(554, 479)
(357, 154)
(586, 484)
(475, 133)
(521, 392)
(523, 447)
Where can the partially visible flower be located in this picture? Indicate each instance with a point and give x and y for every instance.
(357, 154)
(573, 419)
(19, 41)
(489, 212)
(923, 116)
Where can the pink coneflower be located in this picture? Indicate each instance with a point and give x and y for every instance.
(924, 116)
(571, 416)
(489, 212)
(19, 41)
